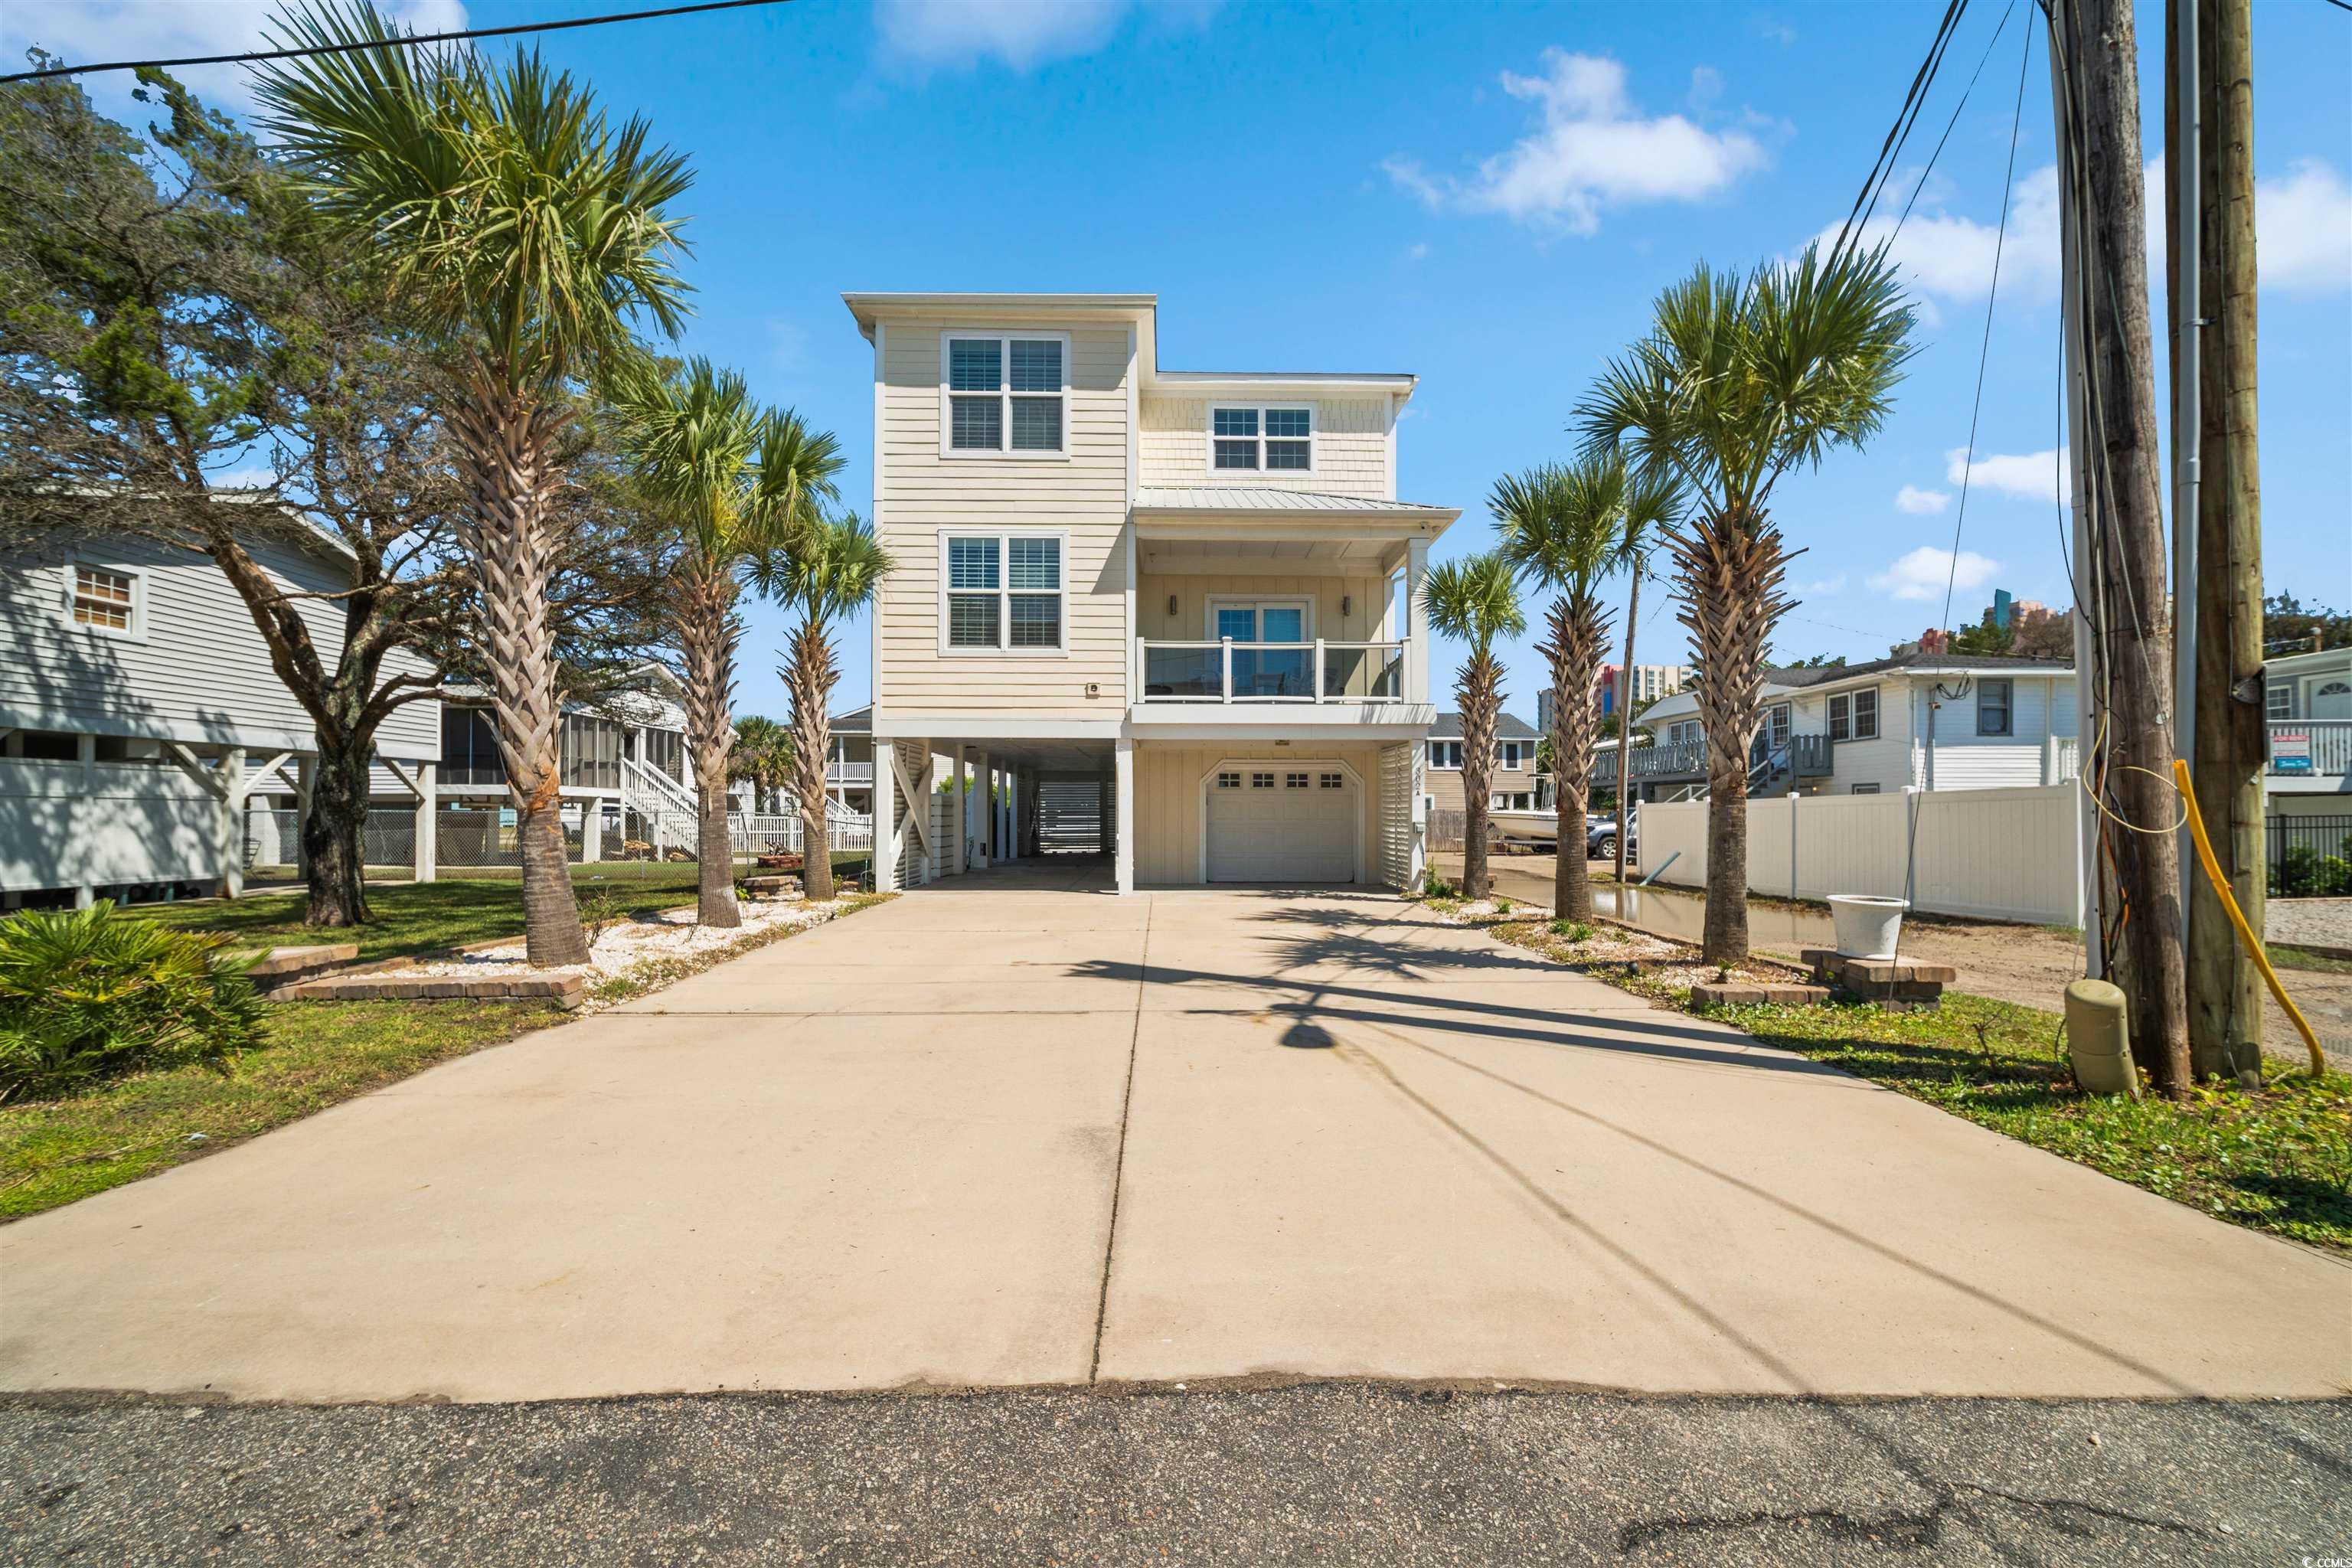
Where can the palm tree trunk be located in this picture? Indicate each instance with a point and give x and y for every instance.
(811, 677)
(1480, 691)
(1625, 729)
(706, 632)
(1730, 570)
(1573, 647)
(502, 442)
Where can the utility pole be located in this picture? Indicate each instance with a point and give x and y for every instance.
(1641, 560)
(2095, 46)
(2224, 661)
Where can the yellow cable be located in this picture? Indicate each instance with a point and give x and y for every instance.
(2238, 919)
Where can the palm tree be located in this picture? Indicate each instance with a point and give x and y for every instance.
(1476, 600)
(762, 757)
(518, 222)
(735, 484)
(1566, 528)
(1739, 380)
(830, 572)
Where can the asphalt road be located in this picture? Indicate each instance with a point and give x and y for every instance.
(1316, 1473)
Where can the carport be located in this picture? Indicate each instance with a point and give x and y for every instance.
(951, 808)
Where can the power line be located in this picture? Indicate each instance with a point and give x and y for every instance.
(406, 41)
(1882, 169)
(1992, 44)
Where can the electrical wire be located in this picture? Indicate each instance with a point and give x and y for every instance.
(1882, 169)
(1921, 184)
(406, 41)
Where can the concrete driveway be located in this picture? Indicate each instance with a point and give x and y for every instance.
(1003, 1131)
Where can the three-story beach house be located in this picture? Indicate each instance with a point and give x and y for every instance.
(1172, 616)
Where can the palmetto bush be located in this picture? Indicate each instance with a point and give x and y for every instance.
(87, 994)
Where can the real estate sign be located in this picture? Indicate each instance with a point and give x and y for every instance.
(2290, 751)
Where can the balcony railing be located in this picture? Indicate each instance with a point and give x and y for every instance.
(2305, 747)
(1807, 756)
(1231, 671)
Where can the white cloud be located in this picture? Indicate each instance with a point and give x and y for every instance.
(1592, 151)
(1824, 586)
(2302, 235)
(2027, 476)
(1020, 33)
(1945, 255)
(2302, 227)
(1921, 574)
(1417, 251)
(1919, 502)
(81, 31)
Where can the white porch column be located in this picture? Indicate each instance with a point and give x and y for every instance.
(427, 850)
(1416, 622)
(232, 821)
(1123, 819)
(959, 843)
(988, 856)
(592, 829)
(886, 817)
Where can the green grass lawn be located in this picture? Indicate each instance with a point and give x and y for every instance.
(422, 917)
(53, 1151)
(2278, 1160)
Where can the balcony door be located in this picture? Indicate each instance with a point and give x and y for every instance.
(1264, 672)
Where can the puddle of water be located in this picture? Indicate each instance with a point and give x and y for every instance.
(1684, 916)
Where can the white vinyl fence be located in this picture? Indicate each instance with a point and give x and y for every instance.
(1994, 854)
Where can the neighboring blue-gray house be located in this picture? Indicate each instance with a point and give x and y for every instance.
(139, 711)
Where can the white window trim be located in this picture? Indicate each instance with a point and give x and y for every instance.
(136, 630)
(1316, 764)
(2008, 710)
(1004, 590)
(1877, 715)
(1209, 449)
(1434, 765)
(1212, 603)
(1509, 755)
(1004, 338)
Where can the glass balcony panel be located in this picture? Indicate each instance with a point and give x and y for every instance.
(1184, 674)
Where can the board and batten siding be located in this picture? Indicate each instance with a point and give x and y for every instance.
(919, 493)
(1168, 781)
(1351, 445)
(199, 671)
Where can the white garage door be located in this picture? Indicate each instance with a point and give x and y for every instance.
(1288, 823)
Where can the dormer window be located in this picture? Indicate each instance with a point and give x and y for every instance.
(1261, 439)
(1005, 395)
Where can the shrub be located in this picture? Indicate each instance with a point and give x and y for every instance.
(86, 995)
(1436, 887)
(1574, 931)
(2305, 873)
(1502, 906)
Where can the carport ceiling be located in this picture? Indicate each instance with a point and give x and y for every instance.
(1046, 756)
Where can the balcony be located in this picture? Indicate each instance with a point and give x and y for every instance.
(1229, 671)
(2308, 753)
(1685, 762)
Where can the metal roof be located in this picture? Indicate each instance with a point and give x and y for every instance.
(1448, 727)
(1256, 498)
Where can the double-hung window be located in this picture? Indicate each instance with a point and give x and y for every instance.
(1993, 708)
(106, 599)
(1445, 755)
(1853, 715)
(1005, 395)
(1261, 440)
(1002, 593)
(1507, 753)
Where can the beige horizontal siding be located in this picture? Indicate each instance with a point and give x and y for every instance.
(1084, 494)
(1168, 801)
(1351, 446)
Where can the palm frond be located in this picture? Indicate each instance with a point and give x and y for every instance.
(1474, 599)
(507, 205)
(826, 572)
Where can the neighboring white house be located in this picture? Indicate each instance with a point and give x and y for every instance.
(2307, 702)
(1172, 616)
(139, 711)
(1919, 720)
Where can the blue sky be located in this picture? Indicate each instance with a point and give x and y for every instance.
(1487, 197)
